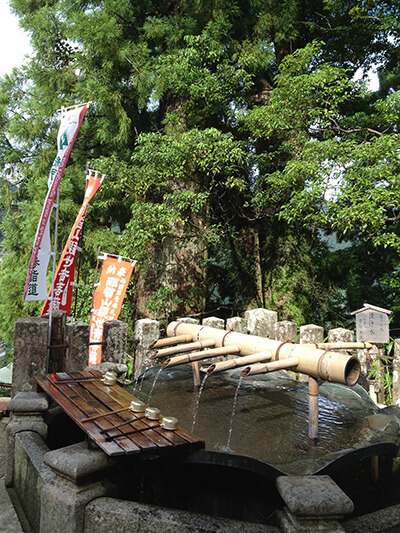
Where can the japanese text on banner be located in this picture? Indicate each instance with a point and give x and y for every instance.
(68, 131)
(62, 294)
(107, 302)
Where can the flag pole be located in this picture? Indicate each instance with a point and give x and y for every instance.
(54, 254)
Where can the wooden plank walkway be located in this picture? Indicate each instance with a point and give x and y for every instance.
(83, 395)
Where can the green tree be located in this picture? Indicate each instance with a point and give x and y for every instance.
(222, 127)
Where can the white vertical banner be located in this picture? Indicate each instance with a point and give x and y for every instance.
(36, 286)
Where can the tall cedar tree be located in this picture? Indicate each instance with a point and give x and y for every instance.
(231, 135)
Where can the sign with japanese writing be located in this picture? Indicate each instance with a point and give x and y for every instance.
(64, 277)
(372, 326)
(107, 302)
(36, 289)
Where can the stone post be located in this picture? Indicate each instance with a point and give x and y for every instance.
(310, 334)
(286, 331)
(237, 324)
(340, 335)
(27, 410)
(77, 481)
(77, 339)
(347, 335)
(147, 332)
(396, 372)
(30, 349)
(313, 503)
(213, 322)
(261, 322)
(114, 342)
(58, 349)
(188, 320)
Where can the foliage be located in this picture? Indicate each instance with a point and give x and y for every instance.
(234, 140)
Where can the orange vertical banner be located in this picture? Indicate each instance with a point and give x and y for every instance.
(107, 301)
(65, 272)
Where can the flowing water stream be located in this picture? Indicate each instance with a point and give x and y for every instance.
(198, 402)
(228, 444)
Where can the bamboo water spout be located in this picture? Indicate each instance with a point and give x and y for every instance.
(315, 362)
(200, 356)
(190, 347)
(239, 361)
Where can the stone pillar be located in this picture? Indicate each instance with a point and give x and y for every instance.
(147, 332)
(114, 342)
(58, 350)
(396, 372)
(188, 320)
(27, 410)
(77, 481)
(261, 322)
(77, 339)
(237, 324)
(340, 335)
(311, 334)
(313, 503)
(286, 331)
(213, 322)
(30, 349)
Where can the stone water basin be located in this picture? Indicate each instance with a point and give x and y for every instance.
(270, 425)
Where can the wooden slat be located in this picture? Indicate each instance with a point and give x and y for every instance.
(83, 395)
(175, 437)
(111, 448)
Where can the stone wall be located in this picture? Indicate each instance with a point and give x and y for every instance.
(69, 352)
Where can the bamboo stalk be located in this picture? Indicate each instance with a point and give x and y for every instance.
(196, 374)
(313, 393)
(199, 356)
(184, 348)
(240, 361)
(168, 341)
(130, 421)
(341, 345)
(334, 366)
(131, 432)
(95, 417)
(270, 367)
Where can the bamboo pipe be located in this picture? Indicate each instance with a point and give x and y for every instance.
(170, 340)
(313, 392)
(341, 345)
(329, 365)
(239, 361)
(206, 343)
(263, 368)
(199, 356)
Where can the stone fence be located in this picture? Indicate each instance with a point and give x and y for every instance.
(70, 346)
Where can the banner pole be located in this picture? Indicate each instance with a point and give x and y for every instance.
(80, 244)
(54, 253)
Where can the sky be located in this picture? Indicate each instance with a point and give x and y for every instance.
(14, 42)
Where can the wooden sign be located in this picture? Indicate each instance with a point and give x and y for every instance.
(372, 326)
